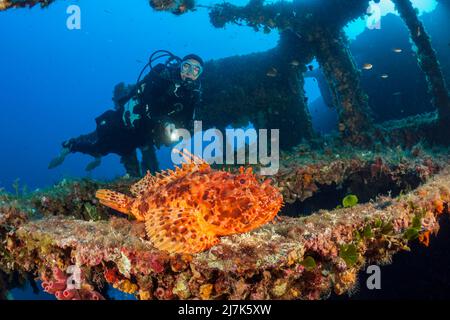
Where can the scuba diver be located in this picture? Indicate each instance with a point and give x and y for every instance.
(145, 115)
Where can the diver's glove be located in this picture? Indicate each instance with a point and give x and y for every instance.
(56, 162)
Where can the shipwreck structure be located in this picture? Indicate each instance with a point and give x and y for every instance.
(46, 234)
(267, 88)
(307, 32)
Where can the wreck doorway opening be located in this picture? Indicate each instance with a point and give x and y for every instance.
(324, 116)
(324, 119)
(360, 183)
(163, 153)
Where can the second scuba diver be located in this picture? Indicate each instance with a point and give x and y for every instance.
(145, 116)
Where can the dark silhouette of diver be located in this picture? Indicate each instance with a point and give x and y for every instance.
(145, 115)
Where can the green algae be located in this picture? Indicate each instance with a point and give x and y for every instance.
(349, 254)
(350, 201)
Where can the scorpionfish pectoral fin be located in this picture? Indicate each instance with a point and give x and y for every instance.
(178, 230)
(115, 200)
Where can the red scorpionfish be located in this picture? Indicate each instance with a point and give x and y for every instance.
(187, 210)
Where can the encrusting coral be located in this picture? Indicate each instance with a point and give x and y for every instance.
(304, 172)
(295, 258)
(58, 284)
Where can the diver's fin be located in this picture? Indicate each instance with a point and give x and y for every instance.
(115, 200)
(177, 230)
(94, 164)
(142, 185)
(56, 162)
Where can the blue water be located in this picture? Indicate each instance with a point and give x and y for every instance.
(27, 293)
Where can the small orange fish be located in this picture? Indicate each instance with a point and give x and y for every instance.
(187, 210)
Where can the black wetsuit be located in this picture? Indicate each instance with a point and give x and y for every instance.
(160, 96)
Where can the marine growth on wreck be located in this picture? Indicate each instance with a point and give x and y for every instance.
(372, 188)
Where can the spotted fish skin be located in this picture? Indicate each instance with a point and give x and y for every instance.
(186, 210)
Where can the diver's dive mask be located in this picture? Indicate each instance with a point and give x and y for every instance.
(190, 69)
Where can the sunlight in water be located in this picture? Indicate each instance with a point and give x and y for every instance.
(354, 28)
